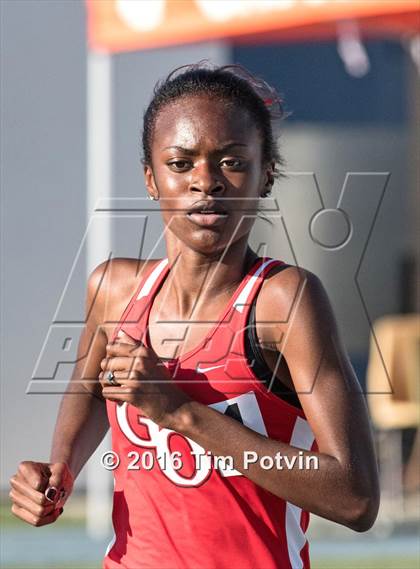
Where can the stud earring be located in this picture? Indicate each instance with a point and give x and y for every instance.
(152, 197)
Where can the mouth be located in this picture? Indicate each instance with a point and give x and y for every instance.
(208, 216)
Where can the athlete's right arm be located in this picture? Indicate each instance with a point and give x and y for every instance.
(81, 422)
(82, 419)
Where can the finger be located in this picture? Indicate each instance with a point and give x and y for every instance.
(125, 377)
(116, 390)
(119, 349)
(117, 363)
(30, 518)
(34, 508)
(126, 346)
(126, 339)
(118, 377)
(131, 378)
(21, 486)
(35, 474)
(57, 482)
(119, 402)
(125, 380)
(126, 390)
(103, 380)
(52, 493)
(63, 494)
(105, 384)
(51, 517)
(118, 397)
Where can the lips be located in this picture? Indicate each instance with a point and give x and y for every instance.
(207, 214)
(208, 208)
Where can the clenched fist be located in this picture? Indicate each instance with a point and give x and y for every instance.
(141, 379)
(39, 491)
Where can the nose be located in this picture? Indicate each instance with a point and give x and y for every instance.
(206, 179)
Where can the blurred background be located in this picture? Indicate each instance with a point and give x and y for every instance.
(75, 80)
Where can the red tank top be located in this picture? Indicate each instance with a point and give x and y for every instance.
(193, 513)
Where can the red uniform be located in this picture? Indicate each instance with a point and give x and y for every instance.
(192, 513)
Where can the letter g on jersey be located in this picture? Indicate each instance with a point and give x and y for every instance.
(243, 408)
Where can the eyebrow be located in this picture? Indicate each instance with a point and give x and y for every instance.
(191, 151)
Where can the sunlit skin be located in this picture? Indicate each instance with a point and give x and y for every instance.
(207, 150)
(315, 362)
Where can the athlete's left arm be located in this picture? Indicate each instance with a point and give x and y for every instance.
(345, 487)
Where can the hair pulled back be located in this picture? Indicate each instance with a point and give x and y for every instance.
(231, 83)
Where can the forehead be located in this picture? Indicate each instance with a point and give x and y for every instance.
(198, 120)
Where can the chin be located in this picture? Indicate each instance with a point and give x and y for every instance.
(206, 243)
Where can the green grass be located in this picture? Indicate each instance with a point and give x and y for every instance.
(376, 563)
(9, 520)
(62, 566)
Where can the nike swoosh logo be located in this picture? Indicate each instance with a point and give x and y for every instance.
(204, 369)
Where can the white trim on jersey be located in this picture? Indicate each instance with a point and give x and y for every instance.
(114, 537)
(111, 544)
(151, 279)
(241, 301)
(303, 438)
(248, 408)
(251, 416)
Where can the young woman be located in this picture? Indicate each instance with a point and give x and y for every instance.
(233, 406)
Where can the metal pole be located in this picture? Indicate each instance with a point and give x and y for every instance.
(99, 185)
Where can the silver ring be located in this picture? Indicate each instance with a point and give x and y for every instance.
(111, 378)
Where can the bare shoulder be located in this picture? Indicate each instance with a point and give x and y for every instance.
(288, 287)
(112, 284)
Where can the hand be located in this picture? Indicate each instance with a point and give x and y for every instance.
(39, 491)
(143, 380)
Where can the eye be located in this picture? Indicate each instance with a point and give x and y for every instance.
(179, 165)
(233, 163)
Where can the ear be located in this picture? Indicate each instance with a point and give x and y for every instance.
(268, 177)
(149, 179)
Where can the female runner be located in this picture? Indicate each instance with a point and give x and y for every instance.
(233, 406)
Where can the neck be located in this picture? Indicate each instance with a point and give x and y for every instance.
(196, 280)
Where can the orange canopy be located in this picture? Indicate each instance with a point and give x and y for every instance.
(124, 25)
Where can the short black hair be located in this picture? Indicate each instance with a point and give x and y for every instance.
(232, 83)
